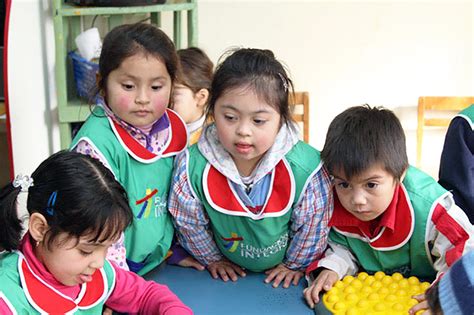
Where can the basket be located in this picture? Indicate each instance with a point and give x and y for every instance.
(84, 76)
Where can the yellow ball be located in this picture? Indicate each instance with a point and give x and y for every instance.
(379, 275)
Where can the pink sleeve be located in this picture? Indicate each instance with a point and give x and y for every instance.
(5, 306)
(133, 294)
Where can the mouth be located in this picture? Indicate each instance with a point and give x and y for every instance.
(141, 113)
(243, 147)
(84, 278)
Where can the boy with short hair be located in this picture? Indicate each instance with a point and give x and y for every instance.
(388, 216)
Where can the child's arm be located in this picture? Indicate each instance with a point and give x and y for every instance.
(190, 219)
(309, 231)
(449, 235)
(132, 294)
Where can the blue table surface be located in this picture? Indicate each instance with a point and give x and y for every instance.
(247, 296)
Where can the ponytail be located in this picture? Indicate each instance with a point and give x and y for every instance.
(11, 231)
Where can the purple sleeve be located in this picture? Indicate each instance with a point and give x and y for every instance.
(133, 294)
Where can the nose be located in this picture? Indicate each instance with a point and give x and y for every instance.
(358, 197)
(243, 129)
(97, 261)
(142, 97)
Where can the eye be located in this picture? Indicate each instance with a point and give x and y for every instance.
(343, 185)
(230, 117)
(156, 87)
(85, 253)
(372, 185)
(259, 121)
(127, 87)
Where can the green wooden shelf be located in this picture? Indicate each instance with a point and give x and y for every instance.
(175, 5)
(68, 21)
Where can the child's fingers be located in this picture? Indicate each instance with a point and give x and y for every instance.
(231, 273)
(419, 297)
(223, 274)
(239, 271)
(418, 307)
(279, 278)
(297, 277)
(309, 293)
(270, 275)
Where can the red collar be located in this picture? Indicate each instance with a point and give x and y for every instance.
(391, 230)
(222, 197)
(46, 299)
(177, 141)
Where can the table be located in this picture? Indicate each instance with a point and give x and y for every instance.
(247, 296)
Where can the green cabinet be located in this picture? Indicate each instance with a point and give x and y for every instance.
(69, 21)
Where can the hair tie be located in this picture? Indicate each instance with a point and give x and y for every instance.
(51, 203)
(284, 81)
(23, 181)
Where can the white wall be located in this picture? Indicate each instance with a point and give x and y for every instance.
(31, 83)
(343, 52)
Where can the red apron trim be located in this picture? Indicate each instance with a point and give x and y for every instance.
(45, 298)
(176, 143)
(222, 197)
(388, 239)
(453, 232)
(178, 132)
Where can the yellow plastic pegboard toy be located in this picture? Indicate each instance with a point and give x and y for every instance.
(374, 295)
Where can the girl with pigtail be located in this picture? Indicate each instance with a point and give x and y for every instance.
(76, 211)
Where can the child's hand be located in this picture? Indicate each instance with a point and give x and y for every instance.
(189, 261)
(324, 281)
(225, 269)
(281, 273)
(422, 305)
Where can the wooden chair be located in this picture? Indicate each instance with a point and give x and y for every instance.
(299, 103)
(437, 111)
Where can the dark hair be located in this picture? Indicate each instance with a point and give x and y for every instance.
(89, 201)
(196, 69)
(129, 39)
(362, 136)
(432, 297)
(258, 70)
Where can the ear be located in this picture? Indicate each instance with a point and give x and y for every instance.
(201, 96)
(38, 226)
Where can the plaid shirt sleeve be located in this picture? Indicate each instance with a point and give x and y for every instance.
(309, 225)
(190, 219)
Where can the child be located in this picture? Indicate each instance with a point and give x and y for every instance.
(453, 293)
(76, 211)
(191, 91)
(388, 216)
(134, 134)
(249, 195)
(456, 169)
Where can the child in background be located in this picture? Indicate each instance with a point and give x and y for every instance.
(191, 91)
(134, 134)
(456, 169)
(388, 216)
(76, 211)
(453, 293)
(249, 194)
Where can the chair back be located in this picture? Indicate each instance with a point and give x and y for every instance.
(299, 102)
(437, 111)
